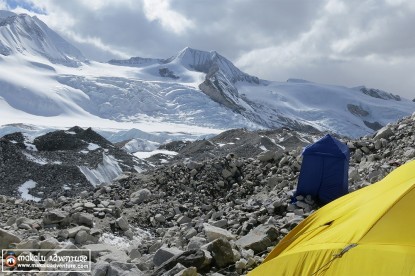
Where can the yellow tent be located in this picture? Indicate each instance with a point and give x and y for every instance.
(368, 232)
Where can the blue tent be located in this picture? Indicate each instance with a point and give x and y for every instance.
(324, 170)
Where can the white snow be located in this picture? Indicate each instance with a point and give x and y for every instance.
(38, 89)
(147, 154)
(66, 187)
(30, 146)
(24, 191)
(136, 145)
(123, 242)
(38, 160)
(92, 146)
(105, 172)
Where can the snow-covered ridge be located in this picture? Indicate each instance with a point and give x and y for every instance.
(377, 93)
(192, 94)
(28, 35)
(209, 62)
(136, 61)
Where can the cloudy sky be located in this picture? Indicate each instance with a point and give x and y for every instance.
(350, 42)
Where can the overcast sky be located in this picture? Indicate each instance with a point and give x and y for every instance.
(350, 42)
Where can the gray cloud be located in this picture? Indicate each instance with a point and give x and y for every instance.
(354, 42)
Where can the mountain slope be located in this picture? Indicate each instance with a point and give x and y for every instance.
(71, 161)
(191, 94)
(29, 35)
(296, 103)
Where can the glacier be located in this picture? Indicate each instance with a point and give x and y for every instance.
(46, 84)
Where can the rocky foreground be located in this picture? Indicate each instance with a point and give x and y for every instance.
(216, 216)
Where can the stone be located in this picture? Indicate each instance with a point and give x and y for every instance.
(122, 223)
(3, 199)
(160, 218)
(302, 204)
(140, 196)
(71, 232)
(409, 153)
(7, 238)
(226, 173)
(256, 242)
(213, 232)
(81, 237)
(50, 243)
(122, 269)
(192, 258)
(183, 220)
(190, 233)
(83, 219)
(385, 132)
(54, 217)
(155, 246)
(25, 226)
(190, 271)
(196, 243)
(259, 238)
(354, 174)
(48, 203)
(24, 220)
(220, 223)
(129, 234)
(241, 265)
(100, 268)
(28, 244)
(378, 144)
(164, 254)
(89, 205)
(106, 252)
(221, 251)
(134, 254)
(266, 156)
(84, 194)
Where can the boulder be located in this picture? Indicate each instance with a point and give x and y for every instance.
(385, 132)
(221, 251)
(164, 254)
(258, 239)
(54, 217)
(99, 268)
(213, 232)
(7, 238)
(122, 223)
(190, 271)
(83, 219)
(266, 156)
(123, 269)
(140, 196)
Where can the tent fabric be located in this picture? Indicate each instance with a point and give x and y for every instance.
(324, 170)
(367, 232)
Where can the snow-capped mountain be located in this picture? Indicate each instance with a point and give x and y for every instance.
(191, 94)
(29, 35)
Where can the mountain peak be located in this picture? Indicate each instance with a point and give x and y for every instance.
(209, 63)
(24, 34)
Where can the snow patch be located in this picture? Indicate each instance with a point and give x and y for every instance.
(135, 145)
(66, 187)
(34, 159)
(24, 191)
(122, 242)
(105, 172)
(30, 146)
(92, 146)
(147, 154)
